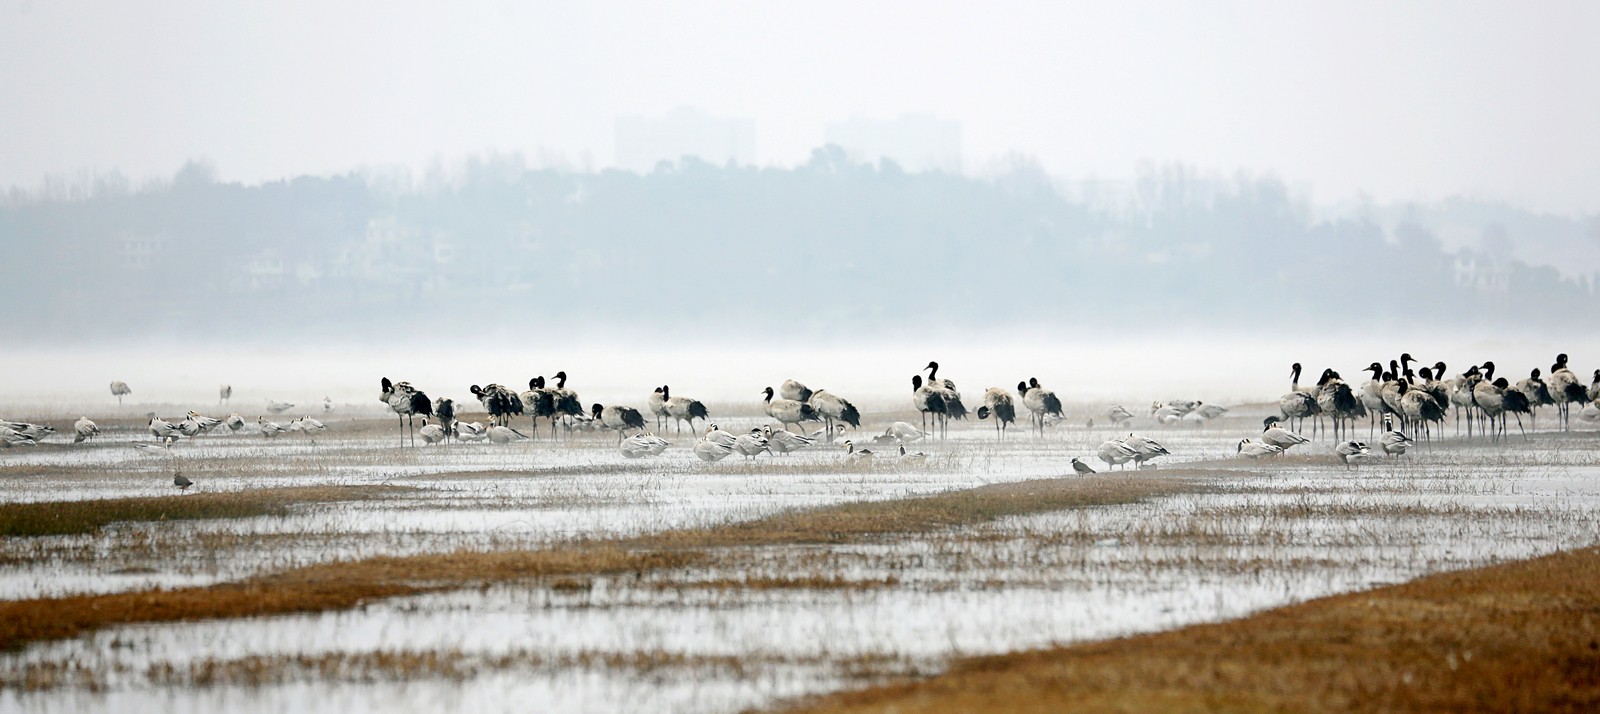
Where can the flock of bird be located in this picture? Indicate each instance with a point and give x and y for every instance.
(1419, 399)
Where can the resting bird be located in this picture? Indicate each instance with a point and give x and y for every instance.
(181, 481)
(783, 441)
(269, 429)
(1278, 436)
(431, 433)
(234, 422)
(1145, 449)
(903, 432)
(1393, 443)
(505, 434)
(1255, 449)
(470, 431)
(641, 445)
(1351, 451)
(709, 450)
(84, 429)
(750, 444)
(915, 457)
(860, 457)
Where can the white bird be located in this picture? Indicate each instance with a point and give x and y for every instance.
(224, 393)
(162, 429)
(234, 422)
(789, 411)
(119, 389)
(916, 457)
(11, 437)
(37, 432)
(206, 423)
(750, 444)
(311, 427)
(189, 428)
(657, 403)
(641, 445)
(406, 402)
(783, 441)
(1590, 412)
(711, 451)
(862, 457)
(431, 433)
(1393, 443)
(269, 429)
(505, 434)
(1145, 448)
(716, 435)
(1351, 451)
(1115, 453)
(152, 449)
(1210, 411)
(1278, 436)
(469, 431)
(84, 429)
(1254, 449)
(1119, 416)
(327, 404)
(904, 433)
(277, 407)
(1166, 414)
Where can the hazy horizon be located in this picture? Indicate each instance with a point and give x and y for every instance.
(1360, 101)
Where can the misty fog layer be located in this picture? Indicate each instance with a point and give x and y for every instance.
(832, 251)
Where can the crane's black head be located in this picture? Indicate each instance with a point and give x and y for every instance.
(1427, 373)
(916, 382)
(768, 392)
(934, 366)
(666, 392)
(1033, 383)
(476, 390)
(1534, 374)
(596, 409)
(1406, 357)
(1488, 368)
(533, 383)
(1294, 370)
(1376, 369)
(1388, 376)
(983, 413)
(657, 390)
(1022, 388)
(1597, 375)
(388, 386)
(561, 379)
(1327, 375)
(1501, 383)
(1438, 370)
(1561, 359)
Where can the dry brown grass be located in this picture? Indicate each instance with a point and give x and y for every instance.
(342, 585)
(71, 517)
(1518, 637)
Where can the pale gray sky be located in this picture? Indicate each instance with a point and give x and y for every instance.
(1400, 100)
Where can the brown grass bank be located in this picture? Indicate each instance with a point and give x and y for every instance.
(342, 585)
(72, 517)
(1523, 636)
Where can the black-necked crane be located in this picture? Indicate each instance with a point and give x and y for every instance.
(998, 403)
(539, 403)
(499, 401)
(618, 419)
(444, 408)
(566, 400)
(406, 402)
(1420, 408)
(953, 408)
(1461, 397)
(792, 389)
(1298, 404)
(1538, 394)
(1338, 401)
(1490, 400)
(1371, 396)
(927, 400)
(1565, 389)
(789, 411)
(83, 429)
(684, 409)
(657, 404)
(224, 393)
(835, 408)
(1516, 404)
(1040, 402)
(119, 389)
